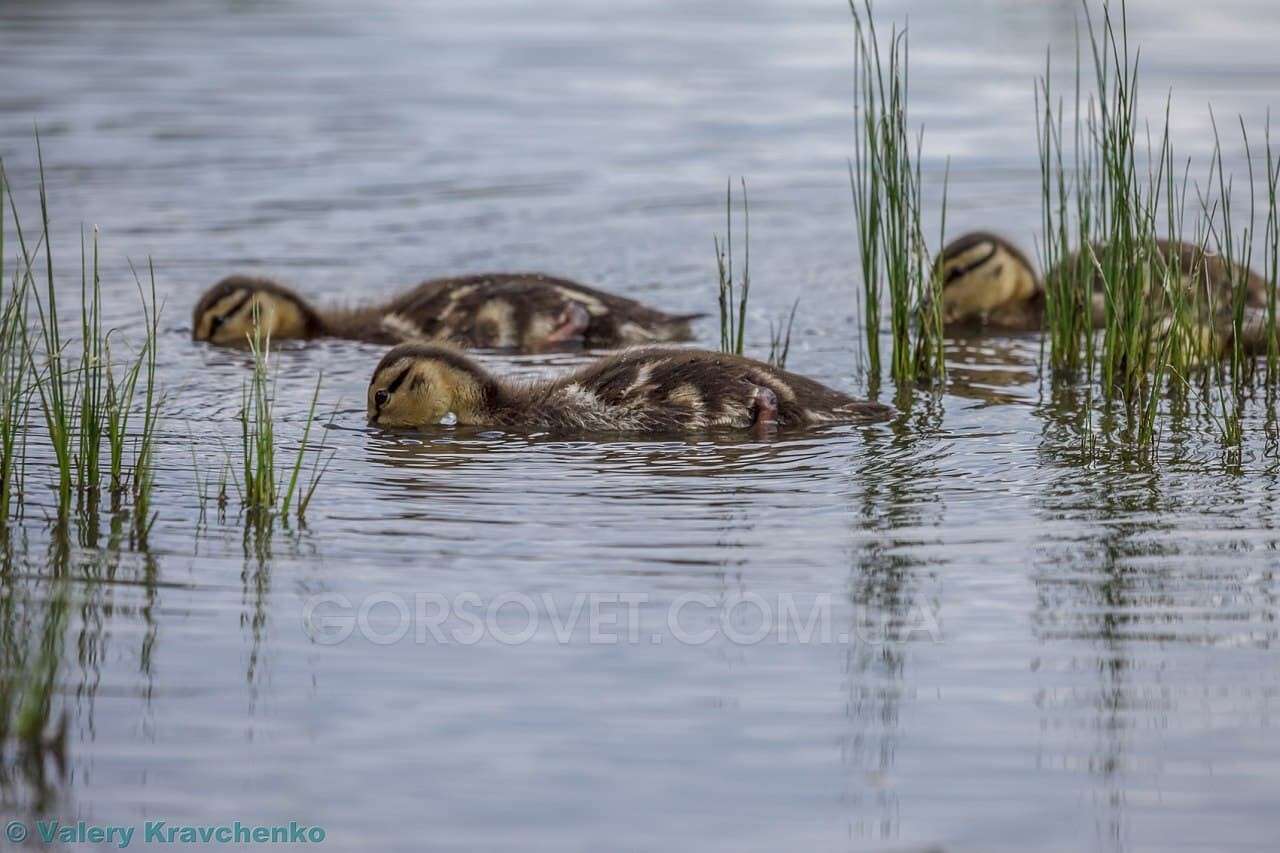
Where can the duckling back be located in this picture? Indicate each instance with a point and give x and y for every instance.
(524, 311)
(673, 390)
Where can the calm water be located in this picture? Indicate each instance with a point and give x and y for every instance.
(1025, 651)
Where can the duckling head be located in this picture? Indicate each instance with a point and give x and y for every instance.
(419, 385)
(983, 274)
(226, 313)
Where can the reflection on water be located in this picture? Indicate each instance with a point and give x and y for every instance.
(1039, 639)
(992, 370)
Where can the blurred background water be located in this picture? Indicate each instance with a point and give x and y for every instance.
(1045, 652)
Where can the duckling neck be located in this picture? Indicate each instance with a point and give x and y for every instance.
(364, 323)
(505, 405)
(307, 323)
(489, 403)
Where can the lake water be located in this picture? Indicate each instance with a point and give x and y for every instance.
(1013, 647)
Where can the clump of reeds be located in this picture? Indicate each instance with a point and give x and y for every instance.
(885, 179)
(88, 397)
(1168, 320)
(1130, 266)
(1153, 320)
(733, 297)
(55, 385)
(1068, 318)
(1271, 260)
(82, 395)
(265, 489)
(780, 338)
(144, 459)
(15, 387)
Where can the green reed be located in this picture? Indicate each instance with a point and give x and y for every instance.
(56, 384)
(261, 488)
(733, 298)
(119, 402)
(15, 393)
(152, 402)
(257, 427)
(91, 377)
(1121, 279)
(15, 398)
(100, 400)
(307, 491)
(1167, 312)
(1068, 317)
(735, 293)
(864, 182)
(1129, 268)
(1235, 247)
(885, 180)
(780, 338)
(83, 400)
(1271, 260)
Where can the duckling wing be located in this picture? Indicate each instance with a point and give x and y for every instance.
(682, 389)
(617, 320)
(529, 310)
(667, 390)
(493, 311)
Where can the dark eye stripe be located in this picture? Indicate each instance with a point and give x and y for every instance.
(226, 315)
(395, 383)
(957, 272)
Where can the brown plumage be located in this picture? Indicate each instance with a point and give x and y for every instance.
(988, 282)
(511, 311)
(1205, 277)
(646, 389)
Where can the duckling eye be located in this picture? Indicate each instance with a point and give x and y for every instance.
(381, 397)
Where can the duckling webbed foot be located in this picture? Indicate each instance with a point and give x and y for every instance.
(764, 409)
(571, 325)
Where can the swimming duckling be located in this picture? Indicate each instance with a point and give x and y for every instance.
(987, 281)
(513, 311)
(646, 389)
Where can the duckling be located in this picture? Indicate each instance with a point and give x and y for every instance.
(643, 389)
(987, 281)
(521, 312)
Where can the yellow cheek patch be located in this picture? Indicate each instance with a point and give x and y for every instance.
(213, 312)
(998, 282)
(420, 393)
(277, 318)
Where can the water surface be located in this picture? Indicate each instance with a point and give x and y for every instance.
(1029, 649)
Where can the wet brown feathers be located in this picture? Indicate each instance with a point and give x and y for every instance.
(507, 311)
(644, 389)
(988, 282)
